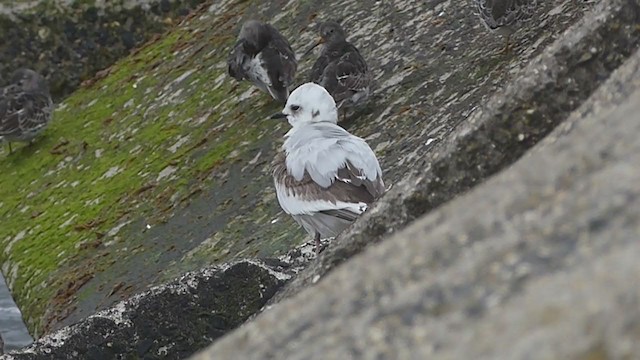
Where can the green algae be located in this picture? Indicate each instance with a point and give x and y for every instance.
(154, 179)
(79, 172)
(67, 184)
(123, 155)
(77, 38)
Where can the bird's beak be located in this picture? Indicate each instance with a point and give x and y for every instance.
(278, 116)
(320, 41)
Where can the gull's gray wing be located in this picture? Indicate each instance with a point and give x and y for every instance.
(342, 199)
(328, 154)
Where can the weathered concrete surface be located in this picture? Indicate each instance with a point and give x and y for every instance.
(170, 321)
(498, 131)
(160, 166)
(539, 262)
(69, 41)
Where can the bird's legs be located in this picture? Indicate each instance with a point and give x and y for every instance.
(507, 45)
(10, 150)
(317, 240)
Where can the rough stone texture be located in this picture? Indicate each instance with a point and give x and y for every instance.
(160, 165)
(169, 321)
(539, 262)
(499, 131)
(77, 38)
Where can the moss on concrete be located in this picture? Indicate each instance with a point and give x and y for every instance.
(132, 145)
(162, 165)
(79, 37)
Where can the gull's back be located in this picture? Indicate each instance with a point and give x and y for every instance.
(322, 149)
(327, 178)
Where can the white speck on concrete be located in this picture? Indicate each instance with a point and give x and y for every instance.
(381, 146)
(245, 95)
(114, 230)
(113, 171)
(202, 119)
(136, 149)
(183, 140)
(169, 170)
(179, 79)
(68, 222)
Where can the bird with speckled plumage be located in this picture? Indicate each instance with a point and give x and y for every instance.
(340, 68)
(26, 107)
(264, 57)
(505, 16)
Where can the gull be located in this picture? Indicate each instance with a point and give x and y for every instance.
(324, 176)
(503, 16)
(25, 107)
(264, 57)
(340, 68)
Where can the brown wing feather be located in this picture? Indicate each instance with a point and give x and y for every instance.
(350, 186)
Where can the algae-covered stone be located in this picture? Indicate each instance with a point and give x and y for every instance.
(160, 165)
(170, 321)
(539, 262)
(68, 41)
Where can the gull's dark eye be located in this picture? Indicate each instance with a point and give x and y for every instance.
(295, 107)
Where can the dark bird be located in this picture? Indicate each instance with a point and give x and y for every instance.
(264, 57)
(325, 178)
(504, 16)
(340, 68)
(25, 107)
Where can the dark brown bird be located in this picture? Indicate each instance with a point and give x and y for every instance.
(264, 57)
(504, 16)
(25, 107)
(340, 68)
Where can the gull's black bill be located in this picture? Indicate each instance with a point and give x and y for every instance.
(278, 116)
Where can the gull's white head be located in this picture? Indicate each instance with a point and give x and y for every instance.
(309, 103)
